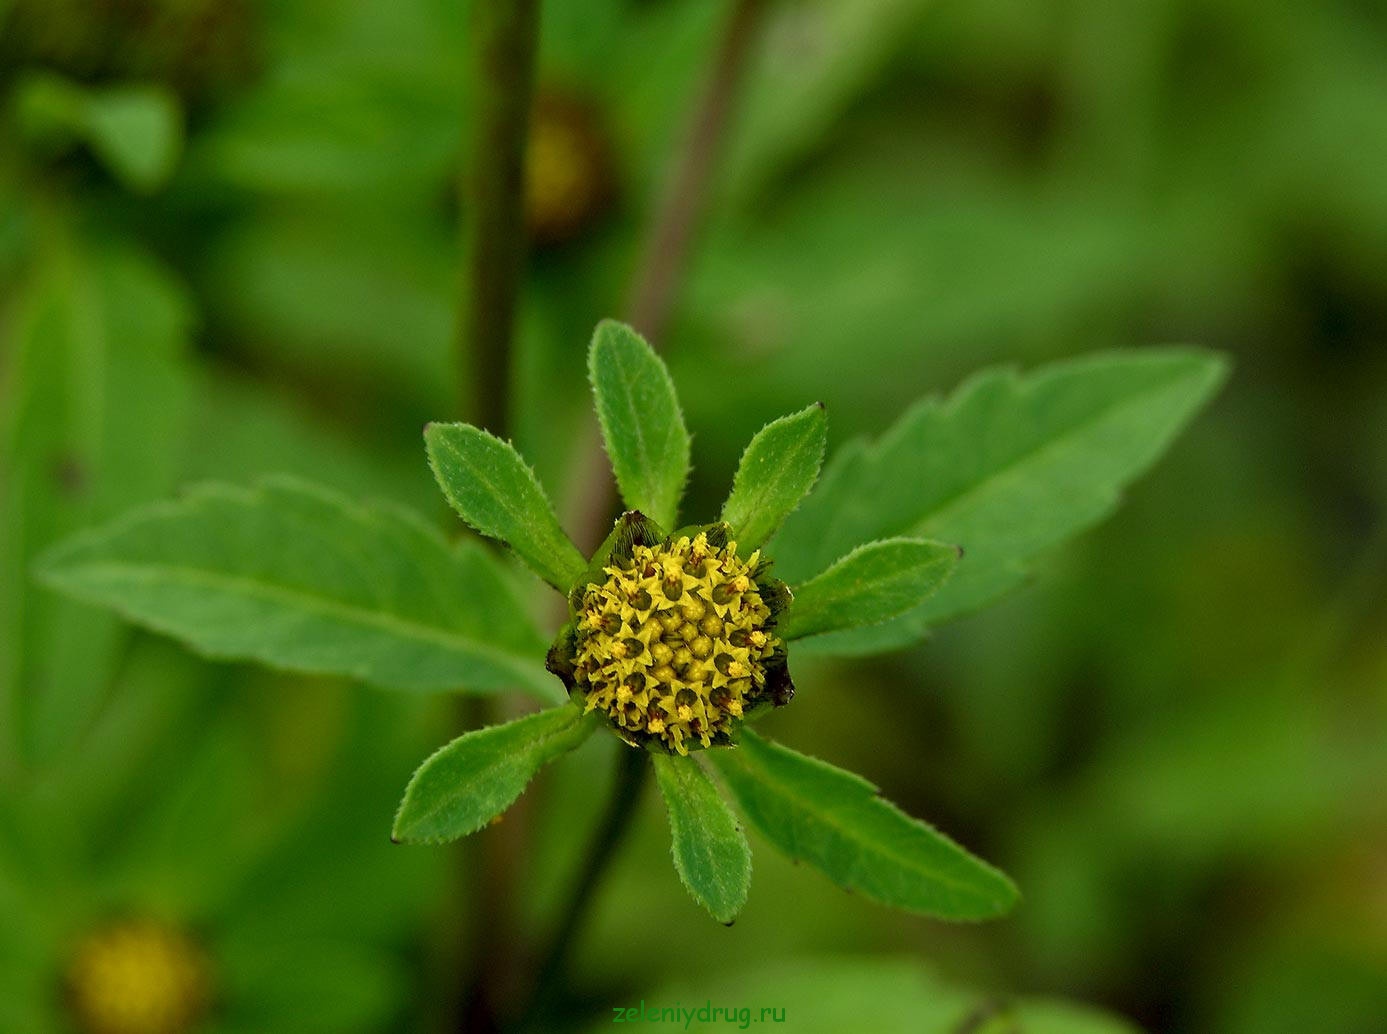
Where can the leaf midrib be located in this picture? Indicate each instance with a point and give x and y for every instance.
(501, 762)
(648, 468)
(549, 561)
(816, 608)
(941, 508)
(905, 861)
(200, 577)
(695, 839)
(761, 493)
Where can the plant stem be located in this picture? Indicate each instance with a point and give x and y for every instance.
(666, 250)
(504, 39)
(631, 767)
(504, 34)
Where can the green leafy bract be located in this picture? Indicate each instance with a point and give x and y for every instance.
(835, 821)
(473, 779)
(641, 423)
(777, 469)
(710, 850)
(493, 490)
(871, 584)
(297, 577)
(1006, 468)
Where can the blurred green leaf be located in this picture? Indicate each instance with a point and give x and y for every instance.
(1295, 981)
(835, 821)
(298, 577)
(811, 61)
(136, 130)
(247, 428)
(477, 776)
(890, 995)
(268, 986)
(641, 423)
(777, 469)
(96, 395)
(1007, 467)
(175, 847)
(709, 848)
(873, 583)
(355, 298)
(492, 489)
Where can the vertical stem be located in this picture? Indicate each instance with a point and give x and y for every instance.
(631, 767)
(504, 37)
(667, 246)
(504, 34)
(681, 208)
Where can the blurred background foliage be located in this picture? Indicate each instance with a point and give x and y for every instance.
(228, 246)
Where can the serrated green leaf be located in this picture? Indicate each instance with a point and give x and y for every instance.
(835, 821)
(477, 776)
(710, 851)
(777, 470)
(1007, 467)
(641, 423)
(297, 577)
(871, 584)
(496, 493)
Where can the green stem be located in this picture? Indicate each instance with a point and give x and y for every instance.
(632, 765)
(504, 41)
(504, 34)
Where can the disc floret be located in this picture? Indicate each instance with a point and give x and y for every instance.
(677, 642)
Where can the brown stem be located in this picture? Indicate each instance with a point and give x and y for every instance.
(680, 210)
(666, 250)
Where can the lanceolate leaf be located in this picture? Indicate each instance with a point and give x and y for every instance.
(492, 489)
(641, 423)
(871, 584)
(297, 577)
(710, 850)
(479, 775)
(777, 470)
(835, 821)
(1006, 468)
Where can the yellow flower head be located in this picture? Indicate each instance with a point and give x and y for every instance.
(568, 169)
(677, 642)
(137, 977)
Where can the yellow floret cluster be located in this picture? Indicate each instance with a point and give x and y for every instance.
(137, 977)
(673, 645)
(567, 178)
